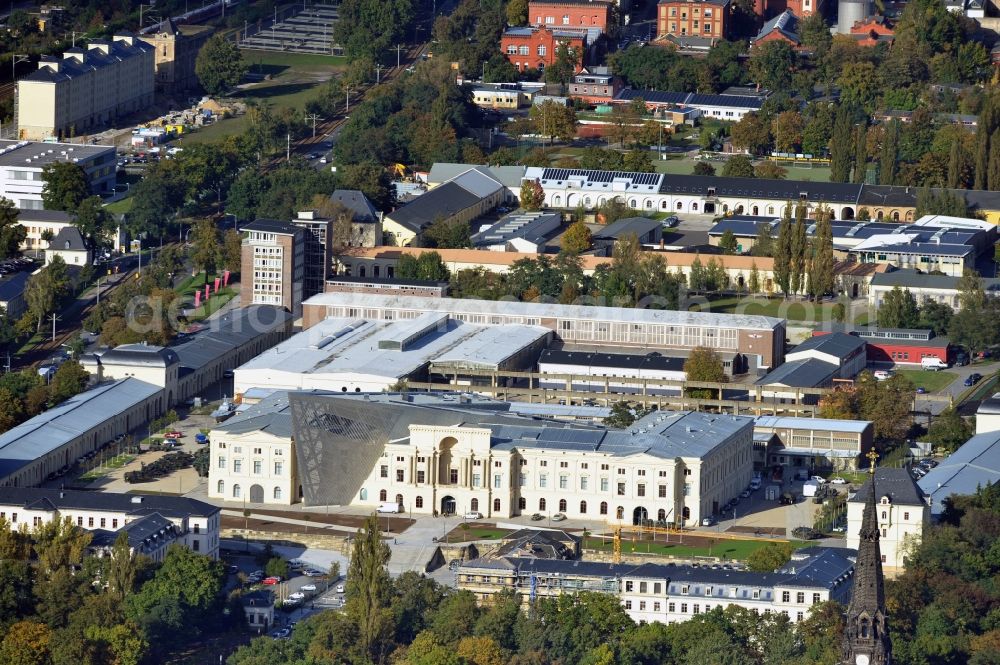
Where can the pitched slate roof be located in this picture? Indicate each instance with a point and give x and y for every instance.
(897, 484)
(441, 202)
(68, 239)
(357, 203)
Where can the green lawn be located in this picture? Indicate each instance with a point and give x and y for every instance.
(116, 462)
(676, 165)
(930, 381)
(120, 207)
(808, 312)
(726, 548)
(460, 535)
(272, 63)
(212, 305)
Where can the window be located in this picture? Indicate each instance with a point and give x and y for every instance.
(543, 480)
(543, 463)
(79, 519)
(382, 495)
(621, 489)
(583, 507)
(222, 463)
(604, 507)
(628, 604)
(684, 608)
(604, 484)
(786, 597)
(496, 505)
(565, 19)
(583, 483)
(258, 467)
(523, 50)
(800, 597)
(656, 587)
(563, 465)
(604, 467)
(641, 472)
(621, 472)
(523, 479)
(815, 598)
(642, 587)
(220, 487)
(619, 513)
(421, 476)
(114, 525)
(642, 605)
(279, 467)
(541, 51)
(884, 515)
(629, 586)
(641, 489)
(196, 545)
(383, 471)
(237, 492)
(237, 466)
(562, 505)
(399, 475)
(522, 503)
(277, 494)
(563, 482)
(497, 481)
(541, 504)
(452, 476)
(474, 504)
(671, 607)
(662, 491)
(511, 49)
(90, 521)
(906, 516)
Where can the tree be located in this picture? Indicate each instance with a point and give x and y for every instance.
(577, 238)
(771, 65)
(554, 120)
(532, 196)
(821, 273)
(728, 242)
(448, 234)
(898, 310)
(704, 364)
(276, 566)
(498, 68)
(427, 267)
(841, 147)
(770, 557)
(638, 161)
(369, 585)
(121, 570)
(219, 65)
(94, 222)
(205, 252)
(783, 251)
(936, 316)
(770, 171)
(612, 210)
(703, 168)
(798, 249)
(787, 128)
(889, 157)
(860, 155)
(564, 66)
(738, 166)
(752, 133)
(65, 186)
(623, 415)
(26, 643)
(753, 283)
(45, 290)
(232, 250)
(12, 234)
(517, 12)
(949, 430)
(70, 379)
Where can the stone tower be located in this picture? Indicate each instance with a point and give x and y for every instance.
(866, 637)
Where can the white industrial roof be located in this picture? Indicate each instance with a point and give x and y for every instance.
(975, 464)
(338, 347)
(825, 424)
(546, 310)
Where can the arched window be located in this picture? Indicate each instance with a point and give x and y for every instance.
(556, 201)
(361, 271)
(277, 494)
(474, 504)
(863, 629)
(680, 205)
(419, 502)
(884, 515)
(583, 507)
(770, 210)
(686, 513)
(522, 503)
(619, 513)
(663, 205)
(694, 207)
(604, 507)
(562, 505)
(649, 204)
(221, 487)
(399, 499)
(541, 504)
(363, 496)
(661, 515)
(633, 204)
(375, 271)
(382, 495)
(895, 215)
(586, 201)
(754, 211)
(496, 505)
(237, 491)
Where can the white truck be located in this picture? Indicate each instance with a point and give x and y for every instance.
(809, 488)
(393, 508)
(933, 364)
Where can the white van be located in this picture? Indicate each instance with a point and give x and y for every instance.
(933, 364)
(389, 508)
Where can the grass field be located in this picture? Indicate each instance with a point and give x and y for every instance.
(116, 462)
(295, 79)
(120, 207)
(725, 548)
(929, 381)
(460, 535)
(212, 305)
(685, 166)
(807, 312)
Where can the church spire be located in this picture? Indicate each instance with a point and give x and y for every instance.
(866, 639)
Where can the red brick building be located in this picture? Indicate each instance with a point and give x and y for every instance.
(783, 27)
(800, 8)
(888, 346)
(570, 13)
(873, 30)
(693, 18)
(535, 47)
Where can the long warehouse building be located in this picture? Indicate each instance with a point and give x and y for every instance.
(760, 338)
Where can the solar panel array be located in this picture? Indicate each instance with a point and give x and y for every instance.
(601, 176)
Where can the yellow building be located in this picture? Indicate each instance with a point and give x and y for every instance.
(85, 89)
(176, 49)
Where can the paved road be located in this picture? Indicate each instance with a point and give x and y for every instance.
(956, 387)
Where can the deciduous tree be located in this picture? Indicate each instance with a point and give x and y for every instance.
(532, 196)
(704, 364)
(65, 186)
(219, 65)
(738, 166)
(577, 238)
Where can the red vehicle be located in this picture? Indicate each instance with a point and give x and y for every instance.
(174, 435)
(270, 581)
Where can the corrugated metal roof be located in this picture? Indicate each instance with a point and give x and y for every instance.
(975, 464)
(824, 424)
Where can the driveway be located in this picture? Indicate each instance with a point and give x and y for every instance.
(956, 387)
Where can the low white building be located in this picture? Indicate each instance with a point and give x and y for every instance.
(847, 352)
(195, 523)
(21, 164)
(667, 593)
(39, 224)
(610, 372)
(903, 511)
(68, 245)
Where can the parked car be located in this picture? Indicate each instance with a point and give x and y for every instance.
(271, 581)
(787, 499)
(537, 517)
(340, 588)
(708, 521)
(806, 533)
(281, 633)
(312, 572)
(297, 595)
(671, 222)
(558, 517)
(307, 587)
(818, 479)
(883, 374)
(838, 481)
(973, 379)
(745, 494)
(473, 515)
(921, 390)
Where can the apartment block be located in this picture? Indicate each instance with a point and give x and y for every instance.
(694, 18)
(273, 264)
(88, 88)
